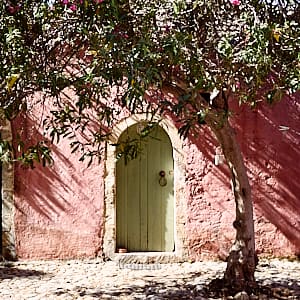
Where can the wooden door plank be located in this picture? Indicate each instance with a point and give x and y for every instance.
(154, 196)
(121, 205)
(143, 173)
(133, 206)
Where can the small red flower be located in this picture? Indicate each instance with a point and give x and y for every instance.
(235, 2)
(13, 9)
(73, 7)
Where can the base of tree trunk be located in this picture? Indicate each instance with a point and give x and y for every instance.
(238, 280)
(239, 274)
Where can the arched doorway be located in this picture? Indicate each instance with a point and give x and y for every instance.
(145, 193)
(110, 246)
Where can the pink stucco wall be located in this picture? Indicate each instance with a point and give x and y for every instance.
(59, 210)
(272, 158)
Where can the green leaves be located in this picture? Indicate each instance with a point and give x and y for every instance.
(27, 155)
(224, 47)
(5, 151)
(129, 149)
(179, 6)
(103, 56)
(38, 153)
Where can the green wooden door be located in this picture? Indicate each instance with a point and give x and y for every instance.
(145, 202)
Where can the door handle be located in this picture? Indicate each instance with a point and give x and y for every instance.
(162, 178)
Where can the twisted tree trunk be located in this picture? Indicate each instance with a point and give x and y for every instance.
(241, 264)
(239, 275)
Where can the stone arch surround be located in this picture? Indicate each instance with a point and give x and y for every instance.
(8, 207)
(180, 205)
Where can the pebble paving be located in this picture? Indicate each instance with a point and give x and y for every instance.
(94, 279)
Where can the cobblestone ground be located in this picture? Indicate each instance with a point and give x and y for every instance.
(93, 279)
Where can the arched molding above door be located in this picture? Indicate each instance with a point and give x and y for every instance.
(180, 205)
(8, 207)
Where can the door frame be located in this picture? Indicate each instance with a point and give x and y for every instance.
(180, 204)
(7, 203)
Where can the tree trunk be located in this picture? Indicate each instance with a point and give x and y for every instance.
(239, 275)
(241, 263)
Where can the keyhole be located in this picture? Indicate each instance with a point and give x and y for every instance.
(162, 180)
(162, 173)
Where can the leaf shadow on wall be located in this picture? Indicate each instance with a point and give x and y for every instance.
(270, 139)
(46, 190)
(270, 143)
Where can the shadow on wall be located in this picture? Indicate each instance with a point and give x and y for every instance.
(58, 208)
(54, 189)
(39, 187)
(272, 152)
(270, 141)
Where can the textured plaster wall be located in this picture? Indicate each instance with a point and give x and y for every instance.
(210, 203)
(60, 210)
(272, 158)
(272, 151)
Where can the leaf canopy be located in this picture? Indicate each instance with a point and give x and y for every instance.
(109, 54)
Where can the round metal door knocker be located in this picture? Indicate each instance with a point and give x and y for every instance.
(162, 178)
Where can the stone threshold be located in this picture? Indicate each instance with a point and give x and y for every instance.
(147, 258)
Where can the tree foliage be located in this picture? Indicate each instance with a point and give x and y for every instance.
(249, 49)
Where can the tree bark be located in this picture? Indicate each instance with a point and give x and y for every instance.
(241, 264)
(239, 274)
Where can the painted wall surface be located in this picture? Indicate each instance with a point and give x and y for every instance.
(270, 141)
(59, 210)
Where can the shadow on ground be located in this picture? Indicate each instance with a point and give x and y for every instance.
(285, 289)
(266, 289)
(9, 272)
